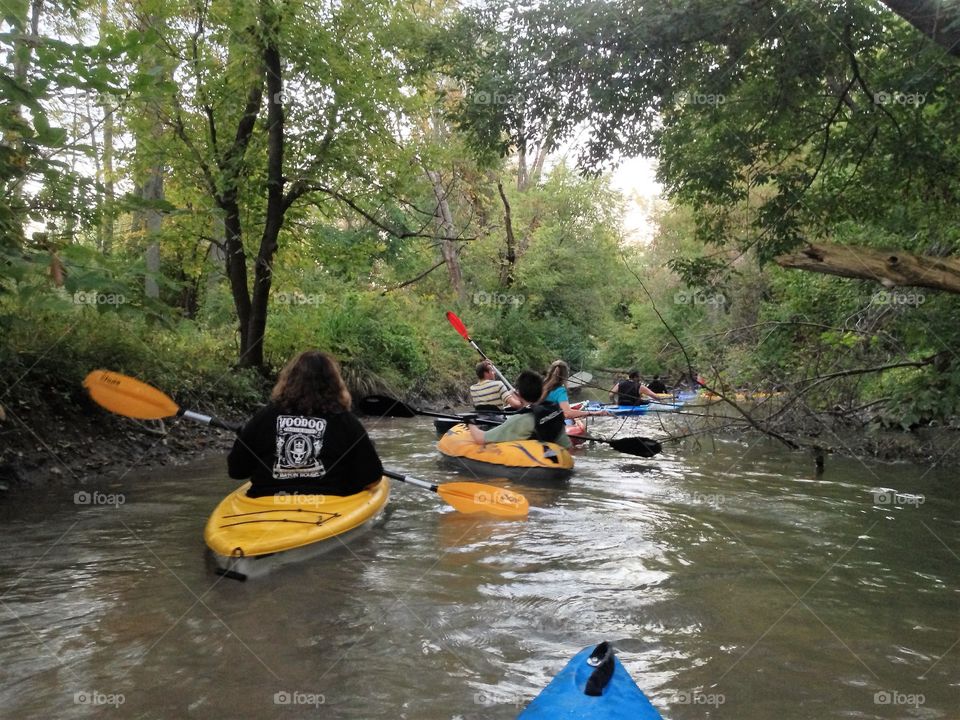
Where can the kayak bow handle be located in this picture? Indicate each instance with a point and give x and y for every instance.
(601, 659)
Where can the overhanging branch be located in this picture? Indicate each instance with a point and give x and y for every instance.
(888, 267)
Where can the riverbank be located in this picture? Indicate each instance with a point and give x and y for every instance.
(77, 443)
(825, 434)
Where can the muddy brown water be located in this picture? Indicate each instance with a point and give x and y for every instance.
(735, 582)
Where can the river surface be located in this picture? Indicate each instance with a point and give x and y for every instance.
(735, 582)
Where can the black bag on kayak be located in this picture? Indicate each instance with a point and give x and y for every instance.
(548, 421)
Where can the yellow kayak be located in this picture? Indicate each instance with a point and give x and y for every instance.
(520, 459)
(243, 531)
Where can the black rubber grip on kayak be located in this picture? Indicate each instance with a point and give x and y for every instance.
(602, 660)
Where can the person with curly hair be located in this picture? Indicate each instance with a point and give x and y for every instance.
(305, 440)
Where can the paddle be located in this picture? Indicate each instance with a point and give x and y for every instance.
(471, 497)
(639, 446)
(391, 407)
(132, 398)
(462, 330)
(386, 406)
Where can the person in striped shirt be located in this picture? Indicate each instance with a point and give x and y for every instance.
(488, 393)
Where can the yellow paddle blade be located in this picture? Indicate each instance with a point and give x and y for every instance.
(470, 497)
(127, 396)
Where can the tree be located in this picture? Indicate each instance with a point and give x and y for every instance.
(319, 139)
(825, 115)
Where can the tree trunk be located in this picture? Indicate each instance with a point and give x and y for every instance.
(106, 216)
(106, 177)
(152, 224)
(216, 256)
(236, 268)
(24, 49)
(448, 250)
(510, 256)
(888, 267)
(152, 175)
(263, 271)
(522, 177)
(23, 58)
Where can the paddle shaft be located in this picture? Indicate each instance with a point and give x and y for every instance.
(590, 438)
(208, 420)
(445, 416)
(411, 480)
(461, 329)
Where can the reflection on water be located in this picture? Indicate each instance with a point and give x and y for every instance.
(736, 582)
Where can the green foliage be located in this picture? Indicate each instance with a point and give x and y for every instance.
(62, 346)
(811, 114)
(764, 118)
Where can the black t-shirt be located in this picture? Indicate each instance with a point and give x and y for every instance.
(628, 393)
(286, 452)
(657, 386)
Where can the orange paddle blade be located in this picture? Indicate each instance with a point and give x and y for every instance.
(127, 396)
(470, 497)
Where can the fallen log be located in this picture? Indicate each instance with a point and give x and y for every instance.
(891, 268)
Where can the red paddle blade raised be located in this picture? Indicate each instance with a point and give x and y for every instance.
(458, 324)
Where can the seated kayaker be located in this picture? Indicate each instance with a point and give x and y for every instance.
(489, 394)
(657, 385)
(555, 390)
(537, 421)
(305, 440)
(628, 392)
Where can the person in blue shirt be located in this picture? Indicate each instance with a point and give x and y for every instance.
(555, 390)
